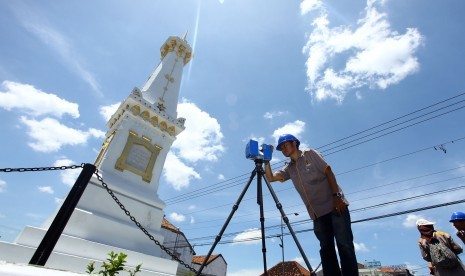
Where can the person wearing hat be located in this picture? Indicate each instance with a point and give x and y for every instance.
(458, 220)
(325, 202)
(429, 242)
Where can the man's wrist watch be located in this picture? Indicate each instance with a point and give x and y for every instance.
(338, 194)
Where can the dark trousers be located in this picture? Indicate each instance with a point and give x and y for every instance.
(334, 226)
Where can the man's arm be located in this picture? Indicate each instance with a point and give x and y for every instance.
(270, 176)
(331, 180)
(455, 246)
(338, 202)
(461, 235)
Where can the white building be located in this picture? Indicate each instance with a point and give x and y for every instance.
(139, 136)
(176, 242)
(215, 266)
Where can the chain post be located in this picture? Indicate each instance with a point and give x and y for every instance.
(52, 235)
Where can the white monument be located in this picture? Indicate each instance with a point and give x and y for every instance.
(131, 160)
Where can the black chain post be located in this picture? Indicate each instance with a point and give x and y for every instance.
(50, 239)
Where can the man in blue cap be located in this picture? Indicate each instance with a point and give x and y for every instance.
(325, 202)
(458, 220)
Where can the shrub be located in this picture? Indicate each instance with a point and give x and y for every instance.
(114, 266)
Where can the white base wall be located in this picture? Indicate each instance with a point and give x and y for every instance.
(74, 254)
(99, 219)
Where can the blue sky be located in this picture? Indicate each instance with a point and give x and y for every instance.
(376, 86)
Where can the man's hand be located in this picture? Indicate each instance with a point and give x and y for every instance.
(339, 204)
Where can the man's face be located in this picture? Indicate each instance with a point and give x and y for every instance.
(287, 148)
(459, 224)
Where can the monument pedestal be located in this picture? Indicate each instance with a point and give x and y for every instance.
(98, 226)
(74, 254)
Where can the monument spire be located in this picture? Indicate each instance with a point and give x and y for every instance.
(162, 87)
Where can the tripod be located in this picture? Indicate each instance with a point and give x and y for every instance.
(260, 172)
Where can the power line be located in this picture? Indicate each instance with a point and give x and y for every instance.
(354, 210)
(398, 124)
(352, 170)
(228, 183)
(400, 156)
(360, 199)
(390, 121)
(384, 134)
(384, 204)
(200, 193)
(353, 222)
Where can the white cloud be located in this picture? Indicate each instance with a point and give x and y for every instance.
(373, 54)
(2, 186)
(246, 272)
(58, 200)
(360, 247)
(68, 176)
(309, 5)
(49, 135)
(462, 168)
(58, 43)
(177, 217)
(411, 219)
(200, 141)
(412, 267)
(221, 177)
(192, 220)
(260, 140)
(202, 138)
(46, 189)
(35, 216)
(249, 236)
(178, 174)
(299, 260)
(271, 115)
(108, 110)
(96, 133)
(295, 128)
(38, 103)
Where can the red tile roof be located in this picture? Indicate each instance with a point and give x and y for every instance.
(200, 259)
(291, 268)
(166, 224)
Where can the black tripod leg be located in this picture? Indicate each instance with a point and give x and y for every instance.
(286, 220)
(262, 222)
(234, 208)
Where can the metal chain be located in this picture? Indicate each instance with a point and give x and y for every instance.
(41, 168)
(133, 219)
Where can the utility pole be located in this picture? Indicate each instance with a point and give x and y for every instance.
(282, 242)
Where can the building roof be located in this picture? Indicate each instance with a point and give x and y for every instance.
(291, 268)
(167, 225)
(200, 259)
(391, 269)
